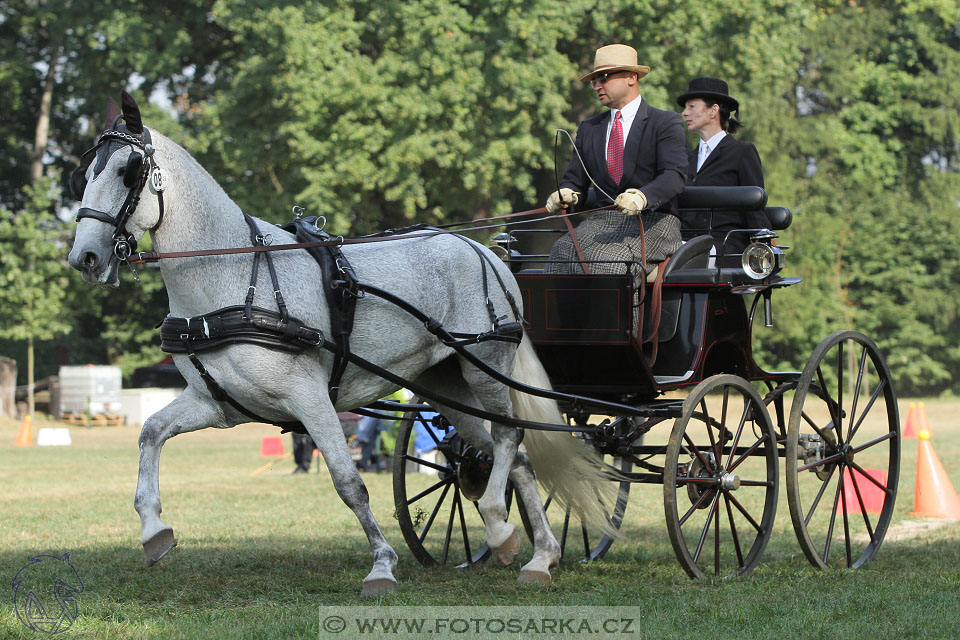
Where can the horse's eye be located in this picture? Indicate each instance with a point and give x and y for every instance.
(120, 171)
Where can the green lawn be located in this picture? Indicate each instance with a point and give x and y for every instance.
(258, 554)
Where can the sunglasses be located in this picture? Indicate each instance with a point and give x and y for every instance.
(603, 77)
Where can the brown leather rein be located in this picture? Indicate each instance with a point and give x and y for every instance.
(153, 256)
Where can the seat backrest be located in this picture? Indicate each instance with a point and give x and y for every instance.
(722, 198)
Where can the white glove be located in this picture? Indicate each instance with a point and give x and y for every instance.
(631, 202)
(569, 197)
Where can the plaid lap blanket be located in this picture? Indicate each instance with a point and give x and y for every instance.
(610, 235)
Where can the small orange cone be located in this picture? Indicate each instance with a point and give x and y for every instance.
(910, 428)
(25, 436)
(271, 446)
(935, 496)
(923, 422)
(873, 496)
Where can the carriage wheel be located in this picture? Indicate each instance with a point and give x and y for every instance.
(720, 479)
(843, 452)
(578, 541)
(437, 510)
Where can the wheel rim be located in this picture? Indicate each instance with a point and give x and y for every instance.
(439, 523)
(842, 483)
(720, 479)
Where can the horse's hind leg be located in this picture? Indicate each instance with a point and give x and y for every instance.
(189, 412)
(502, 444)
(546, 549)
(324, 427)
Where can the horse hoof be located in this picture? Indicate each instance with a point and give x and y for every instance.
(534, 577)
(507, 552)
(158, 546)
(378, 586)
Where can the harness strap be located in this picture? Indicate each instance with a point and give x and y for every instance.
(576, 245)
(220, 395)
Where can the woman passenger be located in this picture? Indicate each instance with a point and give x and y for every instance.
(721, 160)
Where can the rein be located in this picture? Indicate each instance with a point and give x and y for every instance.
(153, 256)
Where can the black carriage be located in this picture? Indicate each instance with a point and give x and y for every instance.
(674, 359)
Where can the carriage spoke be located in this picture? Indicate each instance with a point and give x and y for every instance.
(881, 388)
(449, 534)
(446, 481)
(869, 477)
(433, 514)
(856, 392)
(863, 509)
(706, 528)
(696, 450)
(822, 461)
(432, 465)
(747, 453)
(463, 528)
(816, 501)
(736, 438)
(846, 522)
(833, 407)
(745, 513)
(716, 543)
(833, 519)
(696, 505)
(733, 530)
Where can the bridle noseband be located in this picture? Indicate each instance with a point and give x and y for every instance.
(141, 166)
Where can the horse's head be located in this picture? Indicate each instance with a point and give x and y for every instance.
(108, 183)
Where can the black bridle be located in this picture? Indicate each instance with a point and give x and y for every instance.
(141, 166)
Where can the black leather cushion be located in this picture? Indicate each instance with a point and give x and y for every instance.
(722, 198)
(780, 217)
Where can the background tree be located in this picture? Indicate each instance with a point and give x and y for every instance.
(32, 274)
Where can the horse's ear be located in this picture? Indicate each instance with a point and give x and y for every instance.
(113, 112)
(131, 113)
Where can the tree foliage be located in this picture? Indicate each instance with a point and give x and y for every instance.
(380, 114)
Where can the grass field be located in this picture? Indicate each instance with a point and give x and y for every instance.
(258, 554)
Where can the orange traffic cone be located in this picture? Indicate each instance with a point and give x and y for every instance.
(923, 422)
(910, 428)
(25, 436)
(271, 446)
(935, 496)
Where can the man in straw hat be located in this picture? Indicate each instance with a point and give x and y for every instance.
(635, 156)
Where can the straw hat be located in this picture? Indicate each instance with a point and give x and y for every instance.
(616, 57)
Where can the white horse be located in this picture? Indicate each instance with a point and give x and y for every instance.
(442, 275)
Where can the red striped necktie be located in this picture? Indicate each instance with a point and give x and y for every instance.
(615, 150)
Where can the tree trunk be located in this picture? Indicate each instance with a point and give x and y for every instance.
(43, 121)
(30, 404)
(8, 387)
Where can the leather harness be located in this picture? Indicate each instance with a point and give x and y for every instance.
(278, 330)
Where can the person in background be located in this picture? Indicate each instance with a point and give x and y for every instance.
(368, 437)
(636, 155)
(303, 447)
(720, 160)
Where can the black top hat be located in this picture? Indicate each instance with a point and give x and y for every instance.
(711, 88)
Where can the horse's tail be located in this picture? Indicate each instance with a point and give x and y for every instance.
(565, 465)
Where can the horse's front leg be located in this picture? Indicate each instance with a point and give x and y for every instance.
(325, 429)
(189, 412)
